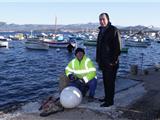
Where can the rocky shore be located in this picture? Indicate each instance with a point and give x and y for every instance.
(137, 97)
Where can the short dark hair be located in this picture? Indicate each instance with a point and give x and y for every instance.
(106, 14)
(79, 50)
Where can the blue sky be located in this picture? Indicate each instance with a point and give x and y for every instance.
(79, 1)
(43, 12)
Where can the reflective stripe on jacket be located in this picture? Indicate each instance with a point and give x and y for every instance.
(82, 69)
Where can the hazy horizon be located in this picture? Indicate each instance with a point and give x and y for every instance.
(121, 13)
(80, 24)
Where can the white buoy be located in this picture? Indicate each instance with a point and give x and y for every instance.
(70, 97)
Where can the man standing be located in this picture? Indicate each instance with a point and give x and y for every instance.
(107, 53)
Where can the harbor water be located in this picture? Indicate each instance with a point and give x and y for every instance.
(31, 75)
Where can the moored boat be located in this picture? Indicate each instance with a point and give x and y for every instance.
(36, 44)
(59, 43)
(90, 42)
(3, 42)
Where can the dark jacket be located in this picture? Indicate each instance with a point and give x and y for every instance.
(108, 46)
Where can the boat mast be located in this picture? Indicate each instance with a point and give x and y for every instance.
(55, 26)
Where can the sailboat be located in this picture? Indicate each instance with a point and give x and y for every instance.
(57, 40)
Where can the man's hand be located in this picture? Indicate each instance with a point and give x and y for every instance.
(114, 63)
(71, 77)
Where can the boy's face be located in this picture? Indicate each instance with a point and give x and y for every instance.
(80, 55)
(103, 20)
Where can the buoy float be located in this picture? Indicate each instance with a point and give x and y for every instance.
(70, 97)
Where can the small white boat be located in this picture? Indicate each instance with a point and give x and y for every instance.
(36, 44)
(3, 42)
(135, 42)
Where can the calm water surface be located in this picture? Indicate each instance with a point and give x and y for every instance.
(30, 75)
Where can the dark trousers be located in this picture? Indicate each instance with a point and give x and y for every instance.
(109, 76)
(91, 86)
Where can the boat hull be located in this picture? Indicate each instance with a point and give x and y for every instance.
(36, 45)
(4, 44)
(59, 44)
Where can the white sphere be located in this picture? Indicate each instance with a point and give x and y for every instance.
(70, 97)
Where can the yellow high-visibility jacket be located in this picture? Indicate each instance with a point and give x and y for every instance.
(83, 69)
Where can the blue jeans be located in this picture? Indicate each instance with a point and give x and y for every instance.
(91, 86)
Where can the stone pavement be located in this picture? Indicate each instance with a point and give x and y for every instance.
(148, 107)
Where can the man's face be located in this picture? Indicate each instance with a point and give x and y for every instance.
(80, 55)
(103, 20)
